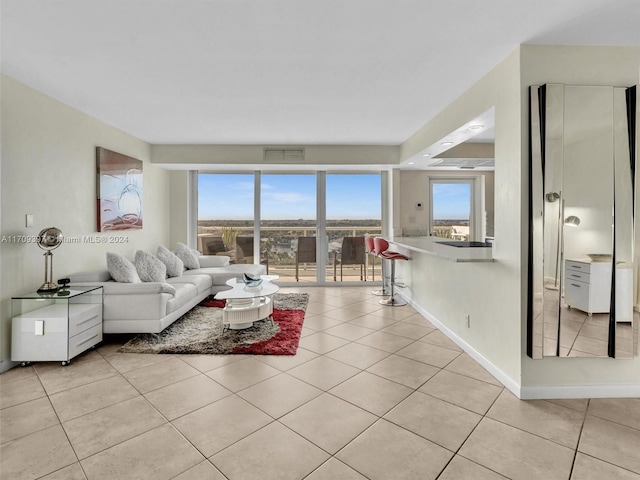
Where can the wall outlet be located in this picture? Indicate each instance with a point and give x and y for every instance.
(467, 320)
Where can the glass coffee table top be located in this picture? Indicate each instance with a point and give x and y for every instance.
(241, 291)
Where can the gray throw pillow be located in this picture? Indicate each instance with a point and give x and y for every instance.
(174, 265)
(187, 256)
(149, 268)
(121, 269)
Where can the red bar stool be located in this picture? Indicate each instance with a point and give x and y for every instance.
(381, 248)
(370, 249)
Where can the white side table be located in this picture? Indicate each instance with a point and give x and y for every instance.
(245, 304)
(55, 326)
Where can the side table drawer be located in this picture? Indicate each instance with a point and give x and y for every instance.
(56, 326)
(85, 340)
(83, 316)
(26, 346)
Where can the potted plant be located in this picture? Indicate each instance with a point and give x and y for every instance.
(229, 238)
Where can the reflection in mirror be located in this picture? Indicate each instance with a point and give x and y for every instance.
(582, 197)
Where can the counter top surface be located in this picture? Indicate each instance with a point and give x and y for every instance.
(455, 254)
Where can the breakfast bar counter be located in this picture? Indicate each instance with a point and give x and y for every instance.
(453, 250)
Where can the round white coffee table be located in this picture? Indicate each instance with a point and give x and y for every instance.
(246, 304)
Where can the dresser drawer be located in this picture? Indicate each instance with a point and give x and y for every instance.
(578, 266)
(576, 294)
(577, 275)
(85, 340)
(83, 316)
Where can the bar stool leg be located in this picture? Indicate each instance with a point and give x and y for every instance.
(393, 301)
(384, 291)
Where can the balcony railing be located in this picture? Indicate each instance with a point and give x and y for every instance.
(278, 250)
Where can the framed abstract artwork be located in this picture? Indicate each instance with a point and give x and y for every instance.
(119, 191)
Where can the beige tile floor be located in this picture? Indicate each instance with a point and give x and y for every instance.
(374, 392)
(583, 335)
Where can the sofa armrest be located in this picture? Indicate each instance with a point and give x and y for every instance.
(116, 288)
(208, 261)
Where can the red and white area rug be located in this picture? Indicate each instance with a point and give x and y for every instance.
(200, 331)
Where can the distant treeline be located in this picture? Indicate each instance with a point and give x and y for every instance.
(449, 223)
(288, 223)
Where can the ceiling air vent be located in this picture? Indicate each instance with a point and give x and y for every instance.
(462, 163)
(279, 155)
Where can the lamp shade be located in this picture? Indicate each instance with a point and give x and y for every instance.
(552, 196)
(572, 221)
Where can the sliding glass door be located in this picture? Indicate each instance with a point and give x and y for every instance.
(288, 225)
(306, 227)
(225, 215)
(353, 210)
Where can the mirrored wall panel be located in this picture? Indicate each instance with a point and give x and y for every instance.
(582, 207)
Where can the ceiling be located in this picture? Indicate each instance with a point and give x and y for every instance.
(341, 72)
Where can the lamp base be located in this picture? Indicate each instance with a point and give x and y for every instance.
(48, 287)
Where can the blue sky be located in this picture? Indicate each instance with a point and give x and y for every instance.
(286, 197)
(451, 201)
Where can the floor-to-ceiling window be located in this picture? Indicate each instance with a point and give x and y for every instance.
(305, 227)
(288, 225)
(225, 215)
(353, 210)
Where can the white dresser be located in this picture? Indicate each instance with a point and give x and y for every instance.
(55, 327)
(587, 285)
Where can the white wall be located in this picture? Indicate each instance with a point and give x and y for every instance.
(495, 295)
(414, 188)
(48, 170)
(491, 293)
(212, 157)
(578, 65)
(180, 208)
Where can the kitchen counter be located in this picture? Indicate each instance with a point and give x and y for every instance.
(462, 252)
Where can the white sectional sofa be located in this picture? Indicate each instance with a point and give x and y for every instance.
(150, 307)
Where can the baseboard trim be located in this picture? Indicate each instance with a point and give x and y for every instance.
(581, 391)
(503, 378)
(7, 364)
(539, 392)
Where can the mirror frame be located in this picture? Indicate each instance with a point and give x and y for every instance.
(537, 136)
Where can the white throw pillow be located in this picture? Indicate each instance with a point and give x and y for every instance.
(187, 256)
(149, 268)
(174, 265)
(121, 269)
